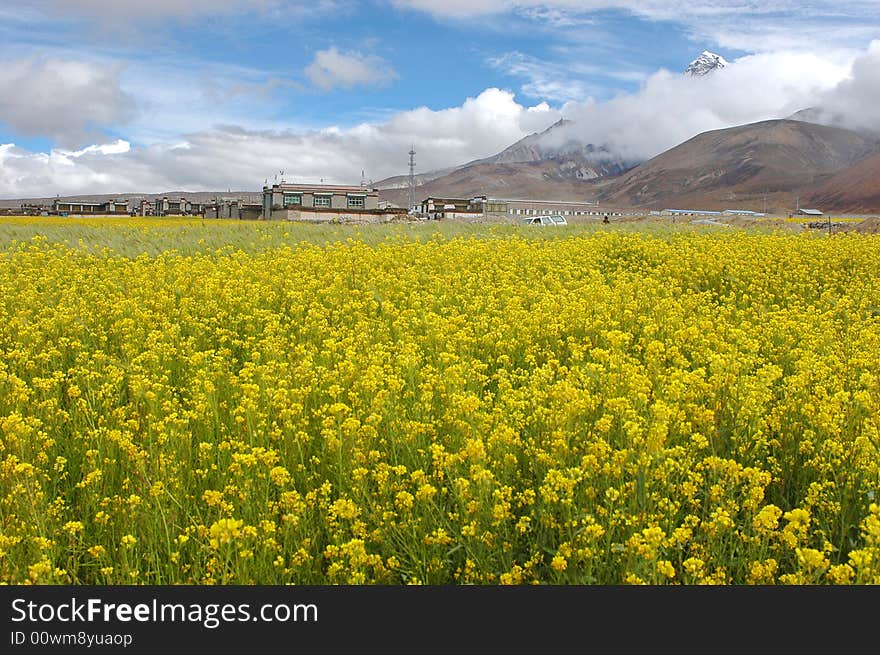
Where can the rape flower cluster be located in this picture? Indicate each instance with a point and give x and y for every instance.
(596, 408)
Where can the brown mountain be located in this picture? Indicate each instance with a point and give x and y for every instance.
(545, 180)
(561, 143)
(855, 190)
(552, 164)
(402, 181)
(760, 165)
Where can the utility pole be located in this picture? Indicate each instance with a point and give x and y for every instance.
(412, 178)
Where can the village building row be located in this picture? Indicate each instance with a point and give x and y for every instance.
(164, 206)
(339, 203)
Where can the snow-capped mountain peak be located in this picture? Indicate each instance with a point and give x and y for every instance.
(706, 63)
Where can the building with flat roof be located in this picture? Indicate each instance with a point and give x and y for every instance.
(323, 202)
(537, 207)
(166, 206)
(434, 208)
(481, 207)
(81, 208)
(238, 208)
(689, 212)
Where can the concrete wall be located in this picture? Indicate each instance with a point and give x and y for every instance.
(332, 216)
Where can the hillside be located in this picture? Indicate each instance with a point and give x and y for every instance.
(549, 164)
(770, 161)
(854, 190)
(540, 179)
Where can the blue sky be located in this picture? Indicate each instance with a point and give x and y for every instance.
(102, 96)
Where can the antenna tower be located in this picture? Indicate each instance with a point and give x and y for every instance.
(412, 178)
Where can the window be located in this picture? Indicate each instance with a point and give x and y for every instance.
(322, 201)
(356, 202)
(292, 199)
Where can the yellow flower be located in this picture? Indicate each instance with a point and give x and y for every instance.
(73, 527)
(841, 574)
(694, 566)
(767, 519)
(811, 559)
(37, 572)
(344, 508)
(280, 476)
(559, 563)
(404, 500)
(212, 497)
(225, 531)
(665, 568)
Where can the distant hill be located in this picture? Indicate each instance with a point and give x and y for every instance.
(551, 164)
(773, 160)
(402, 181)
(855, 190)
(539, 180)
(559, 143)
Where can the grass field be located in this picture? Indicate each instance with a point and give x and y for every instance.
(200, 402)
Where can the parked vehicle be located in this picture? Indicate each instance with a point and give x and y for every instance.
(553, 219)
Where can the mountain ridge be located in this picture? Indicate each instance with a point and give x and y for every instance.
(741, 165)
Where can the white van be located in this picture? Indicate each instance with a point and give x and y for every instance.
(552, 219)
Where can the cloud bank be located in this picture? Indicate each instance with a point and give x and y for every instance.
(64, 100)
(671, 108)
(230, 157)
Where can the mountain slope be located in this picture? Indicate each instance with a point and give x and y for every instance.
(552, 164)
(740, 165)
(561, 144)
(402, 181)
(855, 190)
(536, 180)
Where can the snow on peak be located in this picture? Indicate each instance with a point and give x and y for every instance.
(705, 64)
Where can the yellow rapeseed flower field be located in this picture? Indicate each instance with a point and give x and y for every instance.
(270, 404)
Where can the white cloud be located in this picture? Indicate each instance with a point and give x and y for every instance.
(671, 108)
(127, 10)
(657, 9)
(855, 102)
(543, 79)
(237, 158)
(748, 25)
(332, 69)
(118, 147)
(560, 81)
(64, 100)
